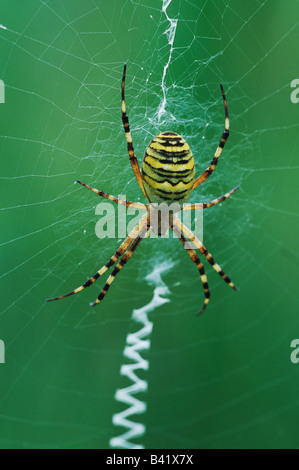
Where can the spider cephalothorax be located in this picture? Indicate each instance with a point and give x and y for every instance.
(167, 179)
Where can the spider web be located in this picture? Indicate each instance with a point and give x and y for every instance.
(221, 380)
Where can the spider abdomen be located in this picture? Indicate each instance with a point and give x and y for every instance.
(168, 169)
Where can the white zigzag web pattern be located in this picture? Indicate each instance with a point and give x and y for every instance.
(135, 343)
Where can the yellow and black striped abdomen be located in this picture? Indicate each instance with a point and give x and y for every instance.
(168, 169)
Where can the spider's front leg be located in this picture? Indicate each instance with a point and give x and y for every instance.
(205, 205)
(219, 149)
(122, 202)
(126, 125)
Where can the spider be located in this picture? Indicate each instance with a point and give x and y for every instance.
(167, 176)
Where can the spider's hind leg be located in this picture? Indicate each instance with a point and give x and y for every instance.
(199, 265)
(183, 229)
(119, 252)
(142, 234)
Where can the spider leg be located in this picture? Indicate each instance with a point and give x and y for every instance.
(200, 267)
(183, 229)
(217, 154)
(143, 232)
(205, 205)
(125, 120)
(122, 202)
(125, 244)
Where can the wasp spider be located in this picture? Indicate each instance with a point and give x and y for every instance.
(167, 176)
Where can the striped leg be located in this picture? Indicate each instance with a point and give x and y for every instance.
(200, 267)
(222, 142)
(122, 202)
(133, 234)
(121, 263)
(125, 120)
(205, 205)
(183, 229)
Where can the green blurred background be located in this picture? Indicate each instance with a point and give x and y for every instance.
(223, 380)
